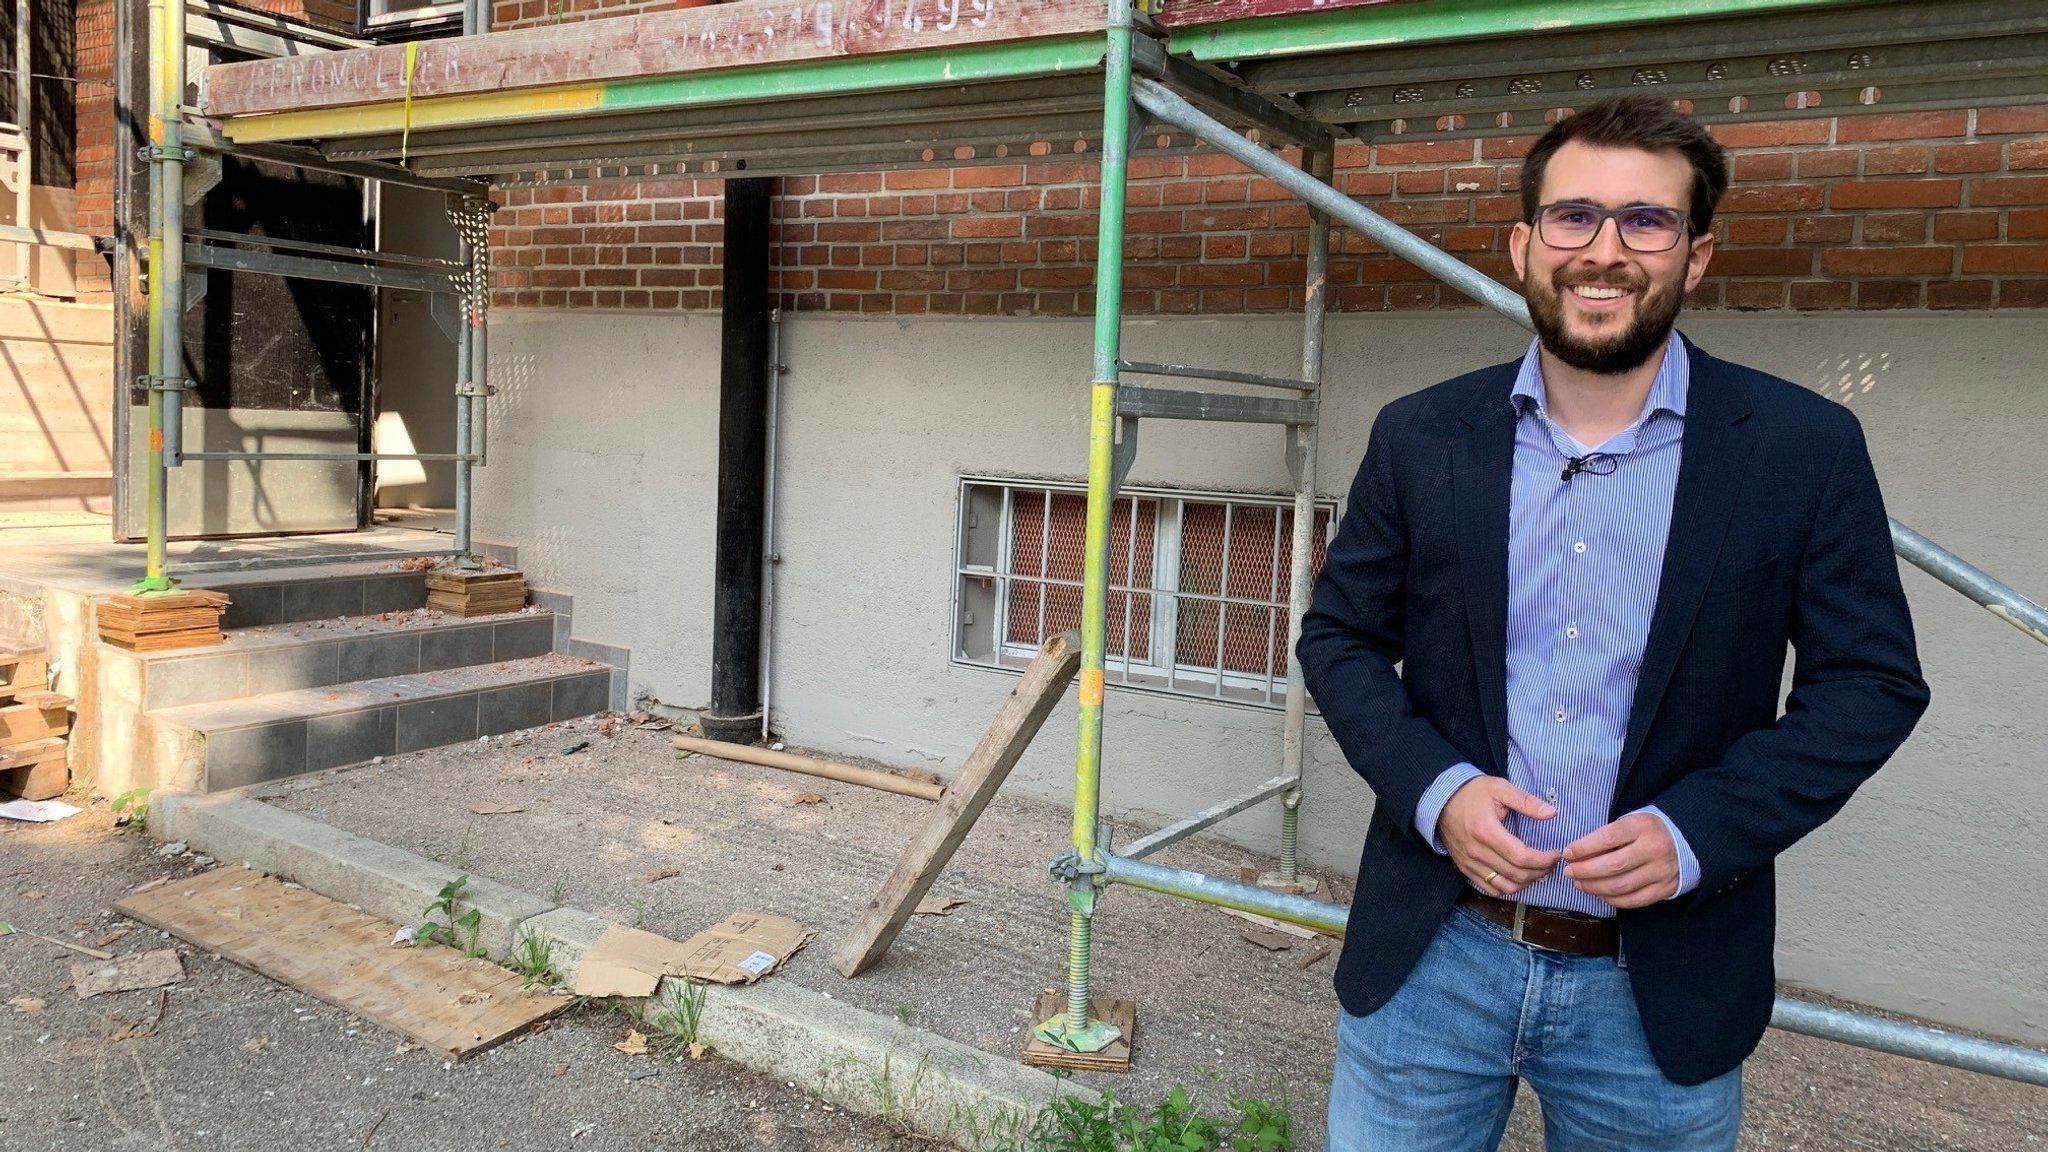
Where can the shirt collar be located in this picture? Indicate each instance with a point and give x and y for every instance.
(1667, 391)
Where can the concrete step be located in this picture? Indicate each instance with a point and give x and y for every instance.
(312, 654)
(317, 596)
(230, 743)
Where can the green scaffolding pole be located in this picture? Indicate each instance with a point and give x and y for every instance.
(165, 371)
(1076, 1030)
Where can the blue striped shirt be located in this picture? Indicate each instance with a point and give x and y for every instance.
(1584, 559)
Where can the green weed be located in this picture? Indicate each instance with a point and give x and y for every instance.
(452, 924)
(1176, 1124)
(533, 957)
(673, 1017)
(134, 802)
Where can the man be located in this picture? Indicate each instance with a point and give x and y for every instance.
(1588, 566)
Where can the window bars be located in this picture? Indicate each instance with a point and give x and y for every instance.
(1198, 592)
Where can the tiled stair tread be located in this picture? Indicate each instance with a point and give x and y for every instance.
(266, 636)
(362, 694)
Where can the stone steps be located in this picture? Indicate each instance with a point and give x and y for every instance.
(229, 743)
(312, 654)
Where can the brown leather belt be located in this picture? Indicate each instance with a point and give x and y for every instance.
(1572, 932)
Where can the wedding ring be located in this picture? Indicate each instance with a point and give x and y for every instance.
(1489, 877)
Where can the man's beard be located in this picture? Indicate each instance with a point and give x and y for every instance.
(1608, 355)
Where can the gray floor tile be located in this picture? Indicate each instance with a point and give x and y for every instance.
(350, 738)
(401, 592)
(374, 656)
(253, 605)
(502, 710)
(530, 636)
(196, 679)
(432, 723)
(241, 756)
(582, 695)
(292, 666)
(323, 599)
(457, 647)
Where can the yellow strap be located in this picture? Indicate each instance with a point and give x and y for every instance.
(412, 61)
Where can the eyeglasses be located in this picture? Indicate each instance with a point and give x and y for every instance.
(1643, 227)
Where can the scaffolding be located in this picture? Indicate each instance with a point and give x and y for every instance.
(181, 31)
(1254, 79)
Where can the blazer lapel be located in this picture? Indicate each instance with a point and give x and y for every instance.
(1711, 471)
(1482, 469)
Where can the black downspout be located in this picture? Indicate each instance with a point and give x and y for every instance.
(735, 712)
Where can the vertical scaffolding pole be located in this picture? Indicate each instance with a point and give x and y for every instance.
(1076, 1031)
(165, 380)
(472, 220)
(24, 115)
(1301, 463)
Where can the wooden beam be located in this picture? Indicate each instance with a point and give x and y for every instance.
(1016, 722)
(738, 35)
(810, 766)
(39, 715)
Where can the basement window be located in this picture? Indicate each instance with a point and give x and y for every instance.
(1197, 584)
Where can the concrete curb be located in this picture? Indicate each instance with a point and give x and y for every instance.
(386, 882)
(926, 1084)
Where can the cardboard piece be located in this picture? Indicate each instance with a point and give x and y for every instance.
(743, 948)
(627, 962)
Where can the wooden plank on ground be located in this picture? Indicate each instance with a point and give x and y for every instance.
(1115, 1058)
(1016, 722)
(655, 43)
(446, 1002)
(36, 716)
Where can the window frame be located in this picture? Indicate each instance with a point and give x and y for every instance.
(1151, 674)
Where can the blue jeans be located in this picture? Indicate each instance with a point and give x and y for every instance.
(1434, 1070)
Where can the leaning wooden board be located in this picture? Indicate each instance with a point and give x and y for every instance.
(448, 1003)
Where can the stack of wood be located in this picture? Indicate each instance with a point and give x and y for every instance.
(476, 593)
(33, 724)
(188, 618)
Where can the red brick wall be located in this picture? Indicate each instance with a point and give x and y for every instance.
(95, 126)
(95, 123)
(1934, 210)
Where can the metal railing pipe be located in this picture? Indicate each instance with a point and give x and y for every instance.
(2010, 1061)
(1294, 909)
(1998, 599)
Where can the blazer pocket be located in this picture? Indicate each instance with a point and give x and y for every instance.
(1742, 580)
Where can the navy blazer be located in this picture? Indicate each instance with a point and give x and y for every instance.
(1778, 537)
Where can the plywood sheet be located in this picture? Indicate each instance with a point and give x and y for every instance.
(446, 1002)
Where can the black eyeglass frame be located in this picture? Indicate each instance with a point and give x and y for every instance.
(1614, 214)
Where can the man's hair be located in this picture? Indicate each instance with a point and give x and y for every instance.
(1642, 122)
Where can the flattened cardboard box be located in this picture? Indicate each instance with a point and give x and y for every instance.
(740, 950)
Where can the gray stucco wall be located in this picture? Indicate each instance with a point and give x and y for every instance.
(604, 451)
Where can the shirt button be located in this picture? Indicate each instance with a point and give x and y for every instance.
(1579, 547)
(1560, 715)
(1571, 633)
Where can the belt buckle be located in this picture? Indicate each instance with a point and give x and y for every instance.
(1521, 918)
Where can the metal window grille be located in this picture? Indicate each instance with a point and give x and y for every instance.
(1197, 584)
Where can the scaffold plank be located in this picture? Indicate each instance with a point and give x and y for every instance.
(648, 44)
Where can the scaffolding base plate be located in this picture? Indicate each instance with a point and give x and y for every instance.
(1120, 1014)
(1274, 882)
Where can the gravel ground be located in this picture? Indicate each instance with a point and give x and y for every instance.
(231, 1060)
(1215, 1011)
